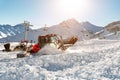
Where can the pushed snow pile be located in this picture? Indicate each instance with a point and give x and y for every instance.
(86, 60)
(49, 50)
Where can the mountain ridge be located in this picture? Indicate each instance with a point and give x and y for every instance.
(8, 30)
(66, 29)
(110, 31)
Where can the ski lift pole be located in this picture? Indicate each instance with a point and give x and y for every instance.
(45, 29)
(26, 24)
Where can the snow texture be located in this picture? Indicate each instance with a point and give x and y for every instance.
(86, 60)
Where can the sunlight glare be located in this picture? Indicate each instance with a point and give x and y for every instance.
(73, 7)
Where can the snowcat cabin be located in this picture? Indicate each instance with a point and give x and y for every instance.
(47, 39)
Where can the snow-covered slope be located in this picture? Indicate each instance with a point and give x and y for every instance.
(111, 31)
(86, 60)
(91, 28)
(66, 29)
(8, 30)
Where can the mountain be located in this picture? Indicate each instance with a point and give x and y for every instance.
(66, 29)
(8, 30)
(110, 31)
(90, 27)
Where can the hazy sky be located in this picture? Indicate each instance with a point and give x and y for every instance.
(51, 12)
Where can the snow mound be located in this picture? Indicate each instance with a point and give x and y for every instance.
(49, 50)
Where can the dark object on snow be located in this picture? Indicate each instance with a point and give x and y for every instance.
(20, 47)
(20, 55)
(7, 47)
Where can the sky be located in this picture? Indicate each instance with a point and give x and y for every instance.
(52, 12)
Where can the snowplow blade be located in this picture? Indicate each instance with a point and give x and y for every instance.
(66, 43)
(70, 40)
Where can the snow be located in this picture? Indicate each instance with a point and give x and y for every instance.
(2, 34)
(92, 28)
(86, 60)
(111, 31)
(8, 30)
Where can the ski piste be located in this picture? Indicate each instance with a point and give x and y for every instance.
(91, 59)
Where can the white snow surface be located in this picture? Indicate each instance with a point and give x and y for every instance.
(86, 60)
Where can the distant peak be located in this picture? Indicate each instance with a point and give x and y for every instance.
(86, 22)
(19, 24)
(71, 20)
(113, 23)
(68, 22)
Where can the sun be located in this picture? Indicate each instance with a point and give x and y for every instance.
(72, 7)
